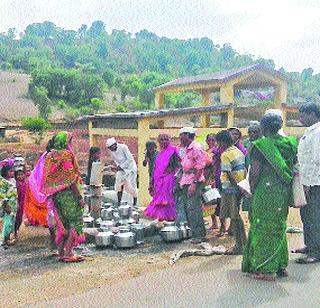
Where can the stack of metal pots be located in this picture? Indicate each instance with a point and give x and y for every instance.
(129, 232)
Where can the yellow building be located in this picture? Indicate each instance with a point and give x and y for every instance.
(148, 125)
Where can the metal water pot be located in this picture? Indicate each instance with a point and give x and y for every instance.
(170, 232)
(107, 224)
(106, 205)
(106, 214)
(125, 211)
(88, 221)
(125, 238)
(135, 215)
(185, 230)
(210, 195)
(138, 229)
(104, 239)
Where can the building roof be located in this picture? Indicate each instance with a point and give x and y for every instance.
(220, 77)
(154, 114)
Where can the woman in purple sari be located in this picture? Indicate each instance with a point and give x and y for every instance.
(162, 206)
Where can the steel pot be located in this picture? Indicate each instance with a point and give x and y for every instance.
(106, 214)
(170, 232)
(104, 239)
(210, 195)
(106, 205)
(185, 230)
(125, 210)
(88, 221)
(138, 229)
(136, 216)
(107, 224)
(125, 238)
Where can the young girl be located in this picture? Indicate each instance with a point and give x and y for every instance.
(8, 222)
(8, 199)
(21, 185)
(210, 210)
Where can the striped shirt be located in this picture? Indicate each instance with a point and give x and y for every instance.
(232, 160)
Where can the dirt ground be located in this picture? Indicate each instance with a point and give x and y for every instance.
(29, 274)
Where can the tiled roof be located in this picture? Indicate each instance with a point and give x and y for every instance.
(222, 76)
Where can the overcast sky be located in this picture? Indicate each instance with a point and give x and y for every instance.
(288, 31)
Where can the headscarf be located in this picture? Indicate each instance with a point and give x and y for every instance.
(60, 168)
(62, 141)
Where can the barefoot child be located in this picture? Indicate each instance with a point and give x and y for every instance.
(21, 191)
(8, 222)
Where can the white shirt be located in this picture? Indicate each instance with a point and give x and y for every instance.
(309, 156)
(123, 158)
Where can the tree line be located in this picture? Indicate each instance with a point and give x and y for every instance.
(72, 70)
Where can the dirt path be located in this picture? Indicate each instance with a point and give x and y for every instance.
(29, 274)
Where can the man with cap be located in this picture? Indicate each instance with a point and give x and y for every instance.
(126, 169)
(191, 183)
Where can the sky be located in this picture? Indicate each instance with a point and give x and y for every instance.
(287, 31)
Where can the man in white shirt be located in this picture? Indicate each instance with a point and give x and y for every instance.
(309, 170)
(126, 170)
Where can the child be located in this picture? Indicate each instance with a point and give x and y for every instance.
(210, 210)
(233, 171)
(8, 222)
(150, 157)
(21, 191)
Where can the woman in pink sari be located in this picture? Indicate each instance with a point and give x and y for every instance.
(162, 206)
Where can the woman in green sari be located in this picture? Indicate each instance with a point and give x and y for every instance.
(272, 160)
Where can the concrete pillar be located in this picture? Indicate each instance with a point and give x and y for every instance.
(226, 94)
(159, 100)
(280, 95)
(143, 137)
(206, 100)
(92, 138)
(159, 104)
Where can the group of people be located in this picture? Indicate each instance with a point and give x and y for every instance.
(267, 163)
(52, 194)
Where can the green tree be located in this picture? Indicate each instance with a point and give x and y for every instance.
(36, 125)
(40, 97)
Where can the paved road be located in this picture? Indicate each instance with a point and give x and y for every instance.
(206, 282)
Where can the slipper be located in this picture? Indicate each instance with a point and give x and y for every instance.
(54, 254)
(303, 250)
(282, 273)
(72, 259)
(234, 251)
(221, 234)
(265, 277)
(307, 260)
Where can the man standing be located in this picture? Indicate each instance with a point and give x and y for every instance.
(309, 170)
(191, 182)
(126, 170)
(232, 172)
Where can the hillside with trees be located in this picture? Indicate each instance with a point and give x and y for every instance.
(72, 70)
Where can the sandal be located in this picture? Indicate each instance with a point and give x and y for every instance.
(265, 277)
(307, 260)
(234, 251)
(72, 259)
(282, 273)
(303, 250)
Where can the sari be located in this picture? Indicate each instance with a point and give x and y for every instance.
(21, 192)
(162, 206)
(266, 251)
(61, 177)
(8, 192)
(36, 202)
